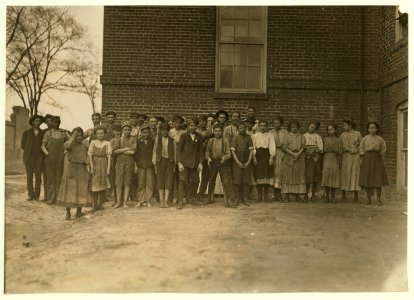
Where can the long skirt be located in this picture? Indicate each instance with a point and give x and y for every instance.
(293, 179)
(278, 168)
(263, 172)
(313, 169)
(373, 174)
(100, 179)
(74, 187)
(350, 172)
(331, 175)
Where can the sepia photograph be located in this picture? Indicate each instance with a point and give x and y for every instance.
(204, 148)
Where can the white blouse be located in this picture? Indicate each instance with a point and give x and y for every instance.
(314, 139)
(264, 140)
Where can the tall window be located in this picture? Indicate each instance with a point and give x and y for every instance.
(401, 24)
(241, 49)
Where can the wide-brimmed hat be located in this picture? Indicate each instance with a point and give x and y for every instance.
(32, 118)
(222, 111)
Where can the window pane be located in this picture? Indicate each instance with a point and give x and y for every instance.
(227, 31)
(254, 57)
(255, 31)
(255, 13)
(405, 138)
(241, 13)
(241, 55)
(241, 31)
(239, 77)
(227, 12)
(226, 77)
(226, 54)
(253, 78)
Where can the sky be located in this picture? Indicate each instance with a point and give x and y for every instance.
(75, 108)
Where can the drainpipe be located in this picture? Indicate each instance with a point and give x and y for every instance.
(362, 65)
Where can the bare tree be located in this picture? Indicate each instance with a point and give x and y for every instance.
(86, 79)
(41, 43)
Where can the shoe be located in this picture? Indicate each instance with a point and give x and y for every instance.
(312, 199)
(306, 198)
(179, 205)
(149, 204)
(67, 217)
(368, 202)
(245, 202)
(379, 202)
(78, 215)
(231, 204)
(29, 199)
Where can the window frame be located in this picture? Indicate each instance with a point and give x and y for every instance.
(262, 89)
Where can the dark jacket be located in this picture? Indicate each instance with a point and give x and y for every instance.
(158, 150)
(143, 155)
(29, 141)
(190, 153)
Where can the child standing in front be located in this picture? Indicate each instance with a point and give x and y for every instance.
(313, 167)
(217, 155)
(278, 134)
(331, 174)
(74, 188)
(100, 155)
(242, 151)
(350, 167)
(373, 175)
(124, 149)
(293, 179)
(143, 160)
(263, 155)
(163, 160)
(190, 157)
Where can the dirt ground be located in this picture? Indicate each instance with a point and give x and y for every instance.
(267, 247)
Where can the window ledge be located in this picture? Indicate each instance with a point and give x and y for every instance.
(245, 96)
(400, 43)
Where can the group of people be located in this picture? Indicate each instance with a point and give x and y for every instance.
(145, 157)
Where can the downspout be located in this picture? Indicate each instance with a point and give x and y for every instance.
(362, 65)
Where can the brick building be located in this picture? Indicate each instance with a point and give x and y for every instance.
(305, 62)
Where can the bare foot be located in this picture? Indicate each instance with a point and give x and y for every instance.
(117, 205)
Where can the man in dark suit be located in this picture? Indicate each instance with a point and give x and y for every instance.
(33, 157)
(190, 156)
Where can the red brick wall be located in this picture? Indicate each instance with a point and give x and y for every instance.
(161, 61)
(393, 81)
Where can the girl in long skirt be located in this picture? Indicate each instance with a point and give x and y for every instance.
(350, 162)
(99, 154)
(279, 135)
(313, 167)
(331, 176)
(293, 179)
(74, 188)
(373, 175)
(263, 155)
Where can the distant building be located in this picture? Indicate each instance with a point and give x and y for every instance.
(324, 62)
